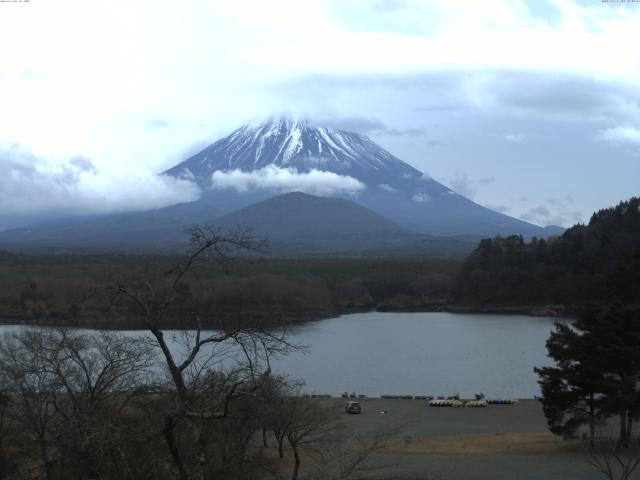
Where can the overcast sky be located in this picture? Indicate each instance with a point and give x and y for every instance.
(529, 107)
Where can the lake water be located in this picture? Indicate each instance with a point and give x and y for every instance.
(422, 353)
(418, 353)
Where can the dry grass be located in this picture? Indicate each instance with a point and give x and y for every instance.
(521, 443)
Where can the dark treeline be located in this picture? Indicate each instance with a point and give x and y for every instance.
(68, 289)
(592, 263)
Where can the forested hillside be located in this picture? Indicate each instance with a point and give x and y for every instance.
(71, 289)
(593, 263)
(590, 263)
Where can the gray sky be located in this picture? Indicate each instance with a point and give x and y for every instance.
(529, 107)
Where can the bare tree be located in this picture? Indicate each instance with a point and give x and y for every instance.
(208, 371)
(350, 459)
(305, 422)
(313, 426)
(4, 402)
(345, 454)
(8, 465)
(32, 391)
(274, 410)
(95, 409)
(67, 390)
(96, 369)
(613, 459)
(99, 374)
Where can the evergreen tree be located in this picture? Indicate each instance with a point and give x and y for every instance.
(617, 331)
(572, 391)
(597, 372)
(597, 262)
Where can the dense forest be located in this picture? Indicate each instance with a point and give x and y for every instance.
(592, 263)
(73, 289)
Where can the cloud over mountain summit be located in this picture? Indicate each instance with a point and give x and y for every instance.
(272, 177)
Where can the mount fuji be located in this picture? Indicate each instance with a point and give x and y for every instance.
(256, 162)
(295, 144)
(312, 190)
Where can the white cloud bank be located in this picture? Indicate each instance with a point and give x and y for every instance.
(621, 135)
(271, 177)
(31, 184)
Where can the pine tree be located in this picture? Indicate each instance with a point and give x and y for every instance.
(617, 330)
(572, 391)
(597, 372)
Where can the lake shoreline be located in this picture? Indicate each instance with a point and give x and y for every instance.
(528, 310)
(285, 320)
(448, 353)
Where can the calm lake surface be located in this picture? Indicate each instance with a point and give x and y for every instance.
(422, 353)
(418, 353)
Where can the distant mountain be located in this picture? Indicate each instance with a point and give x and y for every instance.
(151, 231)
(297, 224)
(389, 186)
(287, 143)
(380, 205)
(297, 215)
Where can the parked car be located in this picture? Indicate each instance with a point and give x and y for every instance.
(352, 407)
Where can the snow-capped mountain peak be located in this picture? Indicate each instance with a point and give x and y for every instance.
(262, 160)
(288, 143)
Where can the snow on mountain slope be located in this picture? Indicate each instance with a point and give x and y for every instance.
(260, 161)
(295, 144)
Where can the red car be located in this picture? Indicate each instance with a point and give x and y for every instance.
(352, 407)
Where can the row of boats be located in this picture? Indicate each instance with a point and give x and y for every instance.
(454, 401)
(484, 402)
